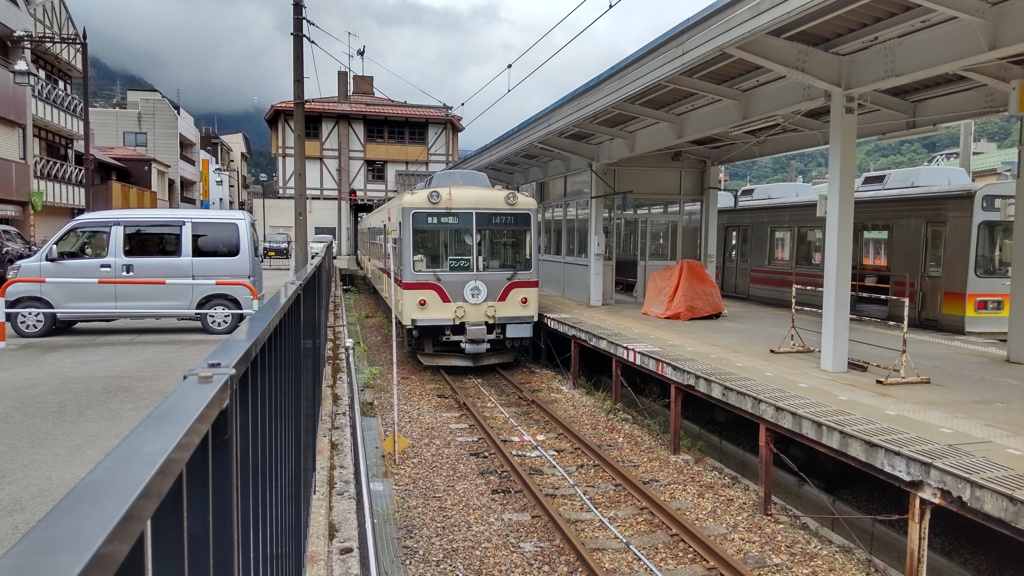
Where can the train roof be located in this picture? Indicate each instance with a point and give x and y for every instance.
(914, 177)
(969, 190)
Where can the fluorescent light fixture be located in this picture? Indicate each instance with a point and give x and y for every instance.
(928, 131)
(750, 126)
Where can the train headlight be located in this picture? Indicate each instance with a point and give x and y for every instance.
(422, 302)
(524, 300)
(988, 305)
(511, 197)
(434, 196)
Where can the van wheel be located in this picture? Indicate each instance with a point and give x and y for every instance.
(28, 322)
(219, 320)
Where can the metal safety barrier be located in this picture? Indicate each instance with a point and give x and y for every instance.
(131, 281)
(218, 479)
(793, 334)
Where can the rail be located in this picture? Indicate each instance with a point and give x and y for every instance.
(793, 334)
(218, 478)
(132, 281)
(686, 530)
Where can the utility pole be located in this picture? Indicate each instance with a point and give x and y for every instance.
(301, 248)
(87, 160)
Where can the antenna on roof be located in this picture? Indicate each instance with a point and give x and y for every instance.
(350, 36)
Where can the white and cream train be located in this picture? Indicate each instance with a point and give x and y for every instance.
(465, 274)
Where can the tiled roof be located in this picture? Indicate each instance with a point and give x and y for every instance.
(122, 153)
(988, 160)
(365, 105)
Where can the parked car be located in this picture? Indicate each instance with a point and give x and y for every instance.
(142, 246)
(318, 243)
(277, 245)
(13, 247)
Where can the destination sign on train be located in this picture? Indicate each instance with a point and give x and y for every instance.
(441, 219)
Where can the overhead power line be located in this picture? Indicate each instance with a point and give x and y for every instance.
(509, 66)
(548, 59)
(314, 24)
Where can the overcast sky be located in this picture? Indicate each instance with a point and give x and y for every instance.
(236, 55)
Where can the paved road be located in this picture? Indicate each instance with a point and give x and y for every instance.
(67, 400)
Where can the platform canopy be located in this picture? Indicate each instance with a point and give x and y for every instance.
(750, 78)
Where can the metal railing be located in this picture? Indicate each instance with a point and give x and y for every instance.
(50, 169)
(58, 97)
(797, 344)
(218, 478)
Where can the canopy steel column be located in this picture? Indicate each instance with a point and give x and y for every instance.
(1015, 337)
(709, 240)
(596, 250)
(842, 156)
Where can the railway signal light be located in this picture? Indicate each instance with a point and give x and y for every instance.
(352, 197)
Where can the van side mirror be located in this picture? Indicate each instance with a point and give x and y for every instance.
(51, 253)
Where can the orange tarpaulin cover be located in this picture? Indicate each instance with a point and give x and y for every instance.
(682, 291)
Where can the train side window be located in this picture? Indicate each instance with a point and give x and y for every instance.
(744, 245)
(781, 247)
(810, 244)
(994, 253)
(934, 254)
(875, 244)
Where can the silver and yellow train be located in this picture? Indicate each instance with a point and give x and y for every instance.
(459, 256)
(931, 236)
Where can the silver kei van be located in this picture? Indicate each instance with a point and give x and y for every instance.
(139, 245)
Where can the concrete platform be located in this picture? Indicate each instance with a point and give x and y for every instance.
(961, 436)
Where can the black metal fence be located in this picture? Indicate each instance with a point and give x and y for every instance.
(218, 478)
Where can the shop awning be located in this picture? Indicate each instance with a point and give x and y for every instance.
(10, 211)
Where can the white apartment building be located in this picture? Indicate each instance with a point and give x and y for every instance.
(237, 167)
(158, 127)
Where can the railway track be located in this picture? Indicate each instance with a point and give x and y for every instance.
(608, 518)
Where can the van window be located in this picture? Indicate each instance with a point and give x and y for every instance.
(86, 242)
(215, 240)
(153, 241)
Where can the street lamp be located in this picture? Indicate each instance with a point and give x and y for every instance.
(220, 182)
(24, 76)
(263, 195)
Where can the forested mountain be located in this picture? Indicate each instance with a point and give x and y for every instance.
(1003, 130)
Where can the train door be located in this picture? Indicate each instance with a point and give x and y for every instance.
(929, 297)
(736, 265)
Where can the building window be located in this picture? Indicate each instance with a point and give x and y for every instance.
(22, 143)
(313, 128)
(781, 247)
(417, 134)
(375, 132)
(396, 134)
(135, 140)
(376, 171)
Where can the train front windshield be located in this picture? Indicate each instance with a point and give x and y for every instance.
(458, 242)
(504, 241)
(995, 249)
